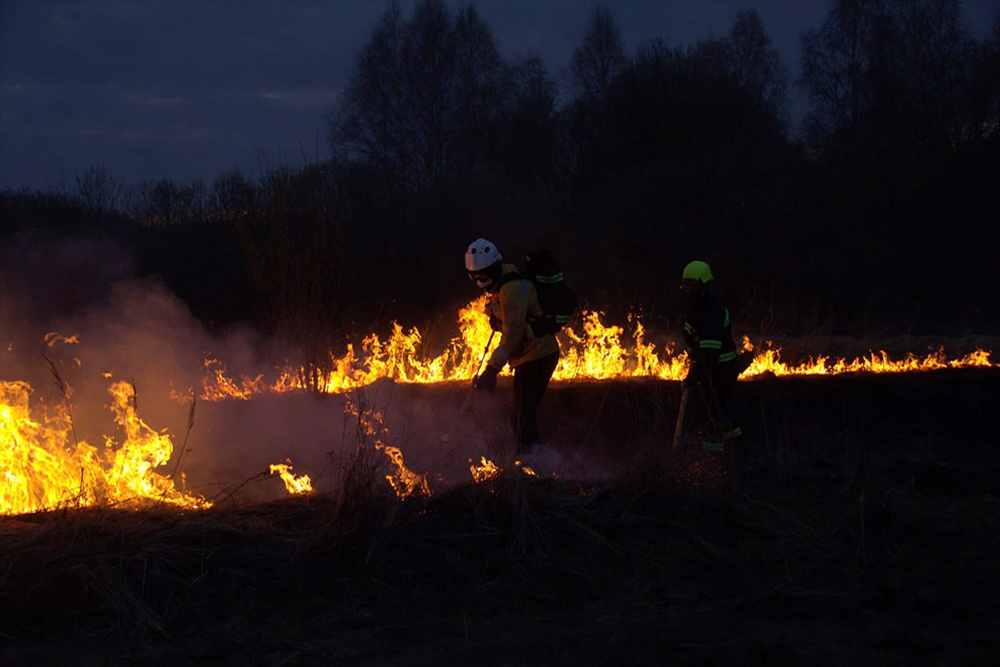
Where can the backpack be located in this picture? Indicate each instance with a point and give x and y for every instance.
(558, 301)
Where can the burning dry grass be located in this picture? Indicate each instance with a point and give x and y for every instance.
(591, 350)
(870, 566)
(364, 575)
(44, 464)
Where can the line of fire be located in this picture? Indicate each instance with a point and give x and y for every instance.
(46, 467)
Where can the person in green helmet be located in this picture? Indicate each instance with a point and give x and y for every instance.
(708, 333)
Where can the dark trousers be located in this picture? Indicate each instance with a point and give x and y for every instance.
(714, 413)
(715, 416)
(530, 380)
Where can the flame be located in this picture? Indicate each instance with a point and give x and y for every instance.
(43, 466)
(487, 470)
(768, 360)
(53, 338)
(526, 470)
(404, 482)
(401, 358)
(294, 485)
(593, 351)
(216, 385)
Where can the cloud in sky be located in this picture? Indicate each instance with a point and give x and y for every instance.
(185, 89)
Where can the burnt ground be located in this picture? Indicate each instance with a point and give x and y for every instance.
(864, 528)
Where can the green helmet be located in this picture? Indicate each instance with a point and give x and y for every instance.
(697, 271)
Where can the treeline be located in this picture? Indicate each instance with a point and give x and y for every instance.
(876, 216)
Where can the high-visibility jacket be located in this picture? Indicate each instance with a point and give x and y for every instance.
(514, 305)
(708, 332)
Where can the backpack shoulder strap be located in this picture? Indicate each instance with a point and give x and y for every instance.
(509, 278)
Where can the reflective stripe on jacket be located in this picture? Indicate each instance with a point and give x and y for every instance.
(513, 305)
(708, 332)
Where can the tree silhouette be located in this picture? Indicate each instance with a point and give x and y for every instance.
(598, 58)
(836, 65)
(369, 120)
(524, 145)
(233, 196)
(165, 201)
(424, 96)
(888, 70)
(982, 123)
(98, 190)
(755, 63)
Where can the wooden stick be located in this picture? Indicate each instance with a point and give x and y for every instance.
(468, 398)
(679, 428)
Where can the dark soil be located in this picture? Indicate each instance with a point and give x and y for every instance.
(862, 528)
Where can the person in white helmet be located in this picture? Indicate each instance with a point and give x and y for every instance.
(512, 306)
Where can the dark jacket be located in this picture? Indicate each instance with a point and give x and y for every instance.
(708, 333)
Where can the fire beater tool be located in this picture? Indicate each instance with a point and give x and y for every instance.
(468, 397)
(447, 438)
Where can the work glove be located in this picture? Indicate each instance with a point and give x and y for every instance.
(487, 380)
(495, 322)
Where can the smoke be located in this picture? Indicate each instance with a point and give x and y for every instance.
(127, 329)
(138, 331)
(548, 460)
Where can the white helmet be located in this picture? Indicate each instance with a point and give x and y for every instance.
(481, 255)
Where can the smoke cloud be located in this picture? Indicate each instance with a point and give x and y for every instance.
(83, 289)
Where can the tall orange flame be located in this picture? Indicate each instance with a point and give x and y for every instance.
(42, 466)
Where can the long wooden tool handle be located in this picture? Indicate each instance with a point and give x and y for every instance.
(679, 428)
(468, 398)
(486, 350)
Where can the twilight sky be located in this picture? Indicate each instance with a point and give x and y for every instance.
(187, 88)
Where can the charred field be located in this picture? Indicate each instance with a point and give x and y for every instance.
(862, 528)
